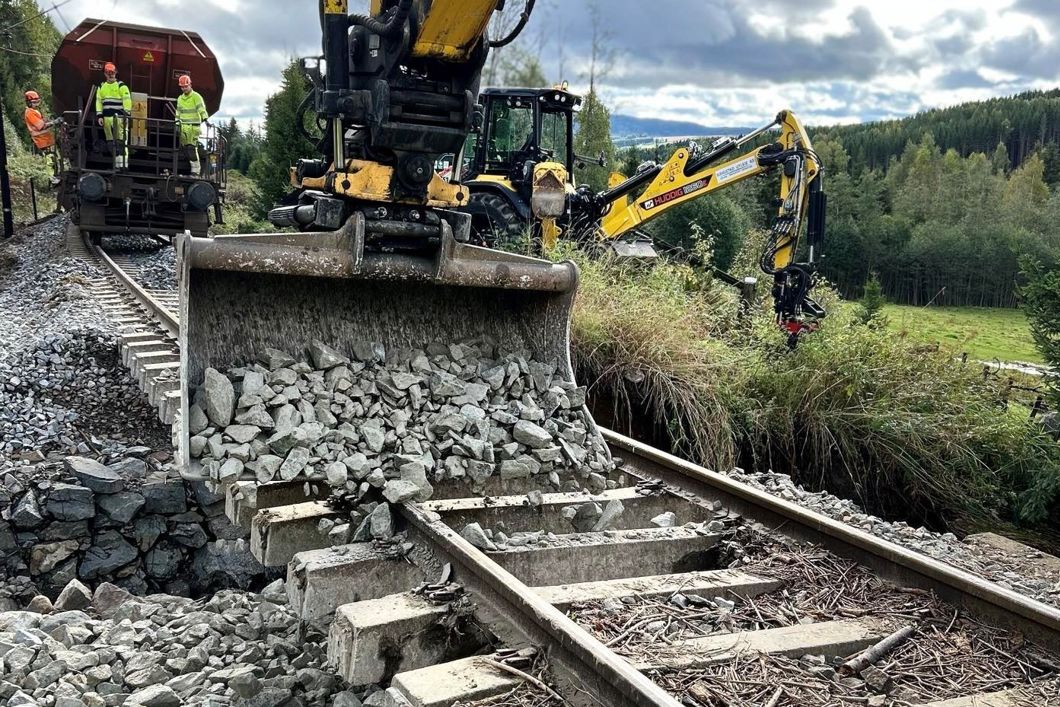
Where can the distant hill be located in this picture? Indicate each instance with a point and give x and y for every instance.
(627, 126)
(1025, 123)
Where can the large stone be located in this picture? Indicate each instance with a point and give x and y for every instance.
(44, 558)
(219, 397)
(400, 491)
(295, 462)
(109, 597)
(167, 498)
(94, 475)
(154, 696)
(109, 553)
(586, 517)
(416, 474)
(336, 473)
(197, 420)
(381, 522)
(325, 357)
(533, 436)
(27, 513)
(130, 468)
(163, 561)
(70, 502)
(267, 466)
(274, 359)
(74, 596)
(475, 535)
(122, 507)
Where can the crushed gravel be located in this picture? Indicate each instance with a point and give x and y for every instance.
(1026, 573)
(64, 389)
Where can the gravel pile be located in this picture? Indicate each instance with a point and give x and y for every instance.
(70, 393)
(158, 271)
(1019, 574)
(157, 261)
(63, 389)
(387, 425)
(110, 648)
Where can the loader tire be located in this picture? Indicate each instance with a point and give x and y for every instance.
(496, 224)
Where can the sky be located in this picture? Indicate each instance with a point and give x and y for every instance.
(714, 62)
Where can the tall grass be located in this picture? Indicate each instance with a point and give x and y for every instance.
(854, 409)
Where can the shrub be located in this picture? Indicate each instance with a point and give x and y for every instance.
(1041, 298)
(908, 434)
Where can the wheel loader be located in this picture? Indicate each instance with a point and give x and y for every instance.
(384, 255)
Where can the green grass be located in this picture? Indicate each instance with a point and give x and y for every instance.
(985, 334)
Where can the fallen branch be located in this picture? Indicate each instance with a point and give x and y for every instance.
(881, 650)
(524, 676)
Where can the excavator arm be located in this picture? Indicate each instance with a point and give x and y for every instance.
(630, 203)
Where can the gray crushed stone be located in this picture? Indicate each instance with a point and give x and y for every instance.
(63, 389)
(109, 648)
(1020, 574)
(387, 425)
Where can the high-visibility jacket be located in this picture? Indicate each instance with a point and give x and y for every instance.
(112, 98)
(191, 110)
(38, 129)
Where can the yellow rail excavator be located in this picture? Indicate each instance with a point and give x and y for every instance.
(519, 169)
(386, 256)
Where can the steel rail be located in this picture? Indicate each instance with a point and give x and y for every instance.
(596, 675)
(160, 312)
(890, 560)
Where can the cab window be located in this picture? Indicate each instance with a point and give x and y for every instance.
(511, 130)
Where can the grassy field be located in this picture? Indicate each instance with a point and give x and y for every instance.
(985, 334)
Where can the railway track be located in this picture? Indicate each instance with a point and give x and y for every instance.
(687, 588)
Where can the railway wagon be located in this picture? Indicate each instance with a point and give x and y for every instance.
(151, 189)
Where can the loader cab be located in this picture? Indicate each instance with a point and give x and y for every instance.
(521, 127)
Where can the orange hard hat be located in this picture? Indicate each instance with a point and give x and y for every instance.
(184, 80)
(109, 68)
(32, 96)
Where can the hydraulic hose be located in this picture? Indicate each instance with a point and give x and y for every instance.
(389, 28)
(528, 8)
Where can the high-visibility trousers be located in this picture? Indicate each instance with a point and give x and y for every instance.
(189, 140)
(114, 131)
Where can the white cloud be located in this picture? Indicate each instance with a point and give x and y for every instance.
(717, 62)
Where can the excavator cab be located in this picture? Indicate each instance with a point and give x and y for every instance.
(519, 167)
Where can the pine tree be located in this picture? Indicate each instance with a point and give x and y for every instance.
(284, 144)
(1000, 159)
(594, 139)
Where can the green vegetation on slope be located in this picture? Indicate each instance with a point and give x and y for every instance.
(866, 414)
(984, 334)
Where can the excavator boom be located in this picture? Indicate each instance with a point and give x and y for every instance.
(629, 204)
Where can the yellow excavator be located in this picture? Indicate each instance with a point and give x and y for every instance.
(519, 168)
(385, 256)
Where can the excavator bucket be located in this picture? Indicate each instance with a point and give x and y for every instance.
(242, 294)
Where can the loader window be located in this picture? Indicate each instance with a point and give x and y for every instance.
(511, 130)
(554, 128)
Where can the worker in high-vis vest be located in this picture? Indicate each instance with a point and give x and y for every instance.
(40, 131)
(113, 106)
(191, 115)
